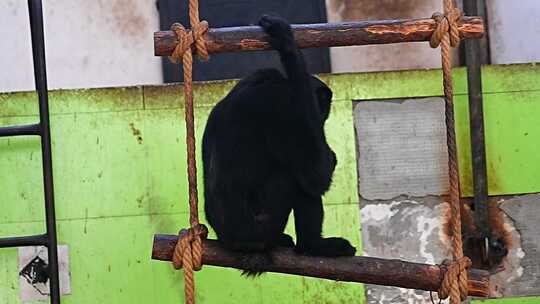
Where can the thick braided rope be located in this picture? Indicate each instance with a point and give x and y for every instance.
(447, 35)
(195, 22)
(186, 39)
(188, 250)
(453, 271)
(188, 255)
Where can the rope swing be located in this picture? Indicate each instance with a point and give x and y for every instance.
(188, 250)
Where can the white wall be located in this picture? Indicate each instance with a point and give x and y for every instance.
(514, 31)
(109, 42)
(88, 44)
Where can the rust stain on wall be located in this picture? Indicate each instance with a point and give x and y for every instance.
(500, 232)
(351, 10)
(127, 18)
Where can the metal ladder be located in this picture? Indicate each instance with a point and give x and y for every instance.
(41, 129)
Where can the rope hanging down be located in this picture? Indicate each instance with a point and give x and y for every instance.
(188, 250)
(447, 35)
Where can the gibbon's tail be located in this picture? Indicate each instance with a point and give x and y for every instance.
(255, 264)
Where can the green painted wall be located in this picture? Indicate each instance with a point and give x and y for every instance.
(120, 177)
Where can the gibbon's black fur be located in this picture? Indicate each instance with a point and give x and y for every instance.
(265, 154)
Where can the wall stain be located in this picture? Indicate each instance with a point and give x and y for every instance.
(127, 18)
(140, 201)
(136, 132)
(157, 207)
(351, 10)
(85, 219)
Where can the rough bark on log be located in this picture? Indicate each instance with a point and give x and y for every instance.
(350, 269)
(252, 38)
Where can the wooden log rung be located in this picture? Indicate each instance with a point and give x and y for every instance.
(348, 269)
(252, 38)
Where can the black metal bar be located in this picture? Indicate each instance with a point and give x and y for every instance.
(20, 130)
(40, 75)
(485, 49)
(21, 241)
(480, 9)
(476, 116)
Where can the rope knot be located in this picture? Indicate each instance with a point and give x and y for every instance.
(188, 38)
(447, 23)
(188, 250)
(455, 281)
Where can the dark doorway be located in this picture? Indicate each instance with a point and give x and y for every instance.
(222, 13)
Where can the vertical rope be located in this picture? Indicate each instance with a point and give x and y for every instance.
(447, 35)
(188, 250)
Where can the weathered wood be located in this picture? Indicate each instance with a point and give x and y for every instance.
(350, 269)
(252, 38)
